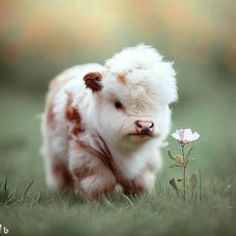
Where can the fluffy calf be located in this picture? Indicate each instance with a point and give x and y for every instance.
(104, 126)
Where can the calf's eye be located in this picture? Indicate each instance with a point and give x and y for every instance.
(118, 105)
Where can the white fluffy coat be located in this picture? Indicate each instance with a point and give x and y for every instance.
(92, 146)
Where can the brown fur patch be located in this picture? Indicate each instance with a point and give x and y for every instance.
(85, 171)
(105, 156)
(133, 187)
(62, 174)
(50, 116)
(73, 115)
(136, 185)
(92, 81)
(82, 172)
(70, 112)
(121, 78)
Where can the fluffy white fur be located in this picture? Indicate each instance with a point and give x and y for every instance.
(145, 85)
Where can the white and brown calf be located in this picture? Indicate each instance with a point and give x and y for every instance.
(104, 126)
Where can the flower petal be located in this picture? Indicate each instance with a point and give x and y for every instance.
(180, 132)
(176, 136)
(188, 134)
(195, 136)
(185, 136)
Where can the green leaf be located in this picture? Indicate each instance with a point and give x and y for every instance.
(170, 155)
(179, 159)
(174, 186)
(189, 151)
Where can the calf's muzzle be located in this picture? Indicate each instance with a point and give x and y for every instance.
(144, 127)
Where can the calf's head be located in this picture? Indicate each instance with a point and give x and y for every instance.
(131, 96)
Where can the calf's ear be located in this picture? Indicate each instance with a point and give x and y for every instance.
(93, 81)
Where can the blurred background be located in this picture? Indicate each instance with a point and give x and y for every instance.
(39, 39)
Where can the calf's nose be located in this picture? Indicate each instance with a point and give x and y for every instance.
(144, 127)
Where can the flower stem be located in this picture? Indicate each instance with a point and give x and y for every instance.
(184, 167)
(184, 183)
(182, 150)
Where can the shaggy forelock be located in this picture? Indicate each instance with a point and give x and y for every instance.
(141, 56)
(145, 73)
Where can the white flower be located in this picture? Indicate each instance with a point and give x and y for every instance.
(185, 136)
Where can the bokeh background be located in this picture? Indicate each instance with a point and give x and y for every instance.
(40, 38)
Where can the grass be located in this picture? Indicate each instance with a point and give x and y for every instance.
(44, 213)
(27, 208)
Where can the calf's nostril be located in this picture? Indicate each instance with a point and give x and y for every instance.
(139, 124)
